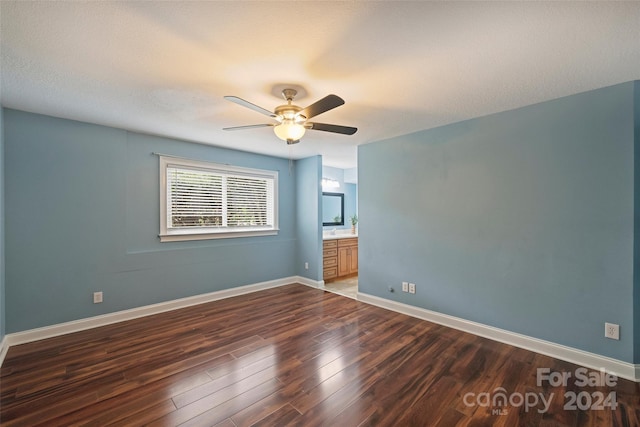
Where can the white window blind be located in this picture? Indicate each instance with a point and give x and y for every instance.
(202, 200)
(195, 198)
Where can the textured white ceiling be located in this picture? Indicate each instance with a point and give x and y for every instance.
(163, 67)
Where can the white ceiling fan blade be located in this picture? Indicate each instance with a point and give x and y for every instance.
(248, 127)
(250, 105)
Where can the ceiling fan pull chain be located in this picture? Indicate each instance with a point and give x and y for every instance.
(290, 162)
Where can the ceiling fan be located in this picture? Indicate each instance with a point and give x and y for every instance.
(291, 120)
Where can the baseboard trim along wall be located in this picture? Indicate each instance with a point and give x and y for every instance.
(134, 313)
(590, 360)
(4, 347)
(579, 357)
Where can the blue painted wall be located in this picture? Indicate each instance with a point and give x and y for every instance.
(2, 275)
(522, 220)
(81, 215)
(350, 203)
(309, 217)
(636, 241)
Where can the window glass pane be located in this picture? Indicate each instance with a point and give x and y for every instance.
(195, 198)
(246, 202)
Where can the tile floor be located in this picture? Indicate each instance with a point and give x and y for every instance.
(345, 287)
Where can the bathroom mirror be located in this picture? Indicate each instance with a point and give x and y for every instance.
(332, 208)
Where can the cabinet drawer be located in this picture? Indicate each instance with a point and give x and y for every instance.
(329, 253)
(328, 262)
(328, 244)
(348, 242)
(330, 273)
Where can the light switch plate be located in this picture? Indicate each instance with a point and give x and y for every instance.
(97, 297)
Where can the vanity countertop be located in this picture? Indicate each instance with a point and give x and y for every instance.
(327, 236)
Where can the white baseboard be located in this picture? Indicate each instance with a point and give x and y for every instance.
(579, 357)
(134, 313)
(4, 347)
(318, 284)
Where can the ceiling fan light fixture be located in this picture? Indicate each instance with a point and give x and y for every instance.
(291, 120)
(289, 130)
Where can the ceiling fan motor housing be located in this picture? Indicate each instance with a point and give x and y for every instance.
(288, 112)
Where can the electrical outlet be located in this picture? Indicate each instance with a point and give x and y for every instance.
(97, 297)
(611, 330)
(405, 286)
(306, 265)
(412, 288)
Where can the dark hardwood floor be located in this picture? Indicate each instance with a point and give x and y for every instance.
(293, 356)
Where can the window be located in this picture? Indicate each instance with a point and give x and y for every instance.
(201, 200)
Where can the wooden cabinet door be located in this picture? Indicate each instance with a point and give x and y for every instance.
(347, 260)
(353, 261)
(343, 261)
